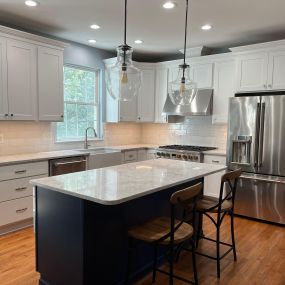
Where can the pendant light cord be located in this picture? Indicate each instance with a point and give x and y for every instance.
(125, 35)
(185, 38)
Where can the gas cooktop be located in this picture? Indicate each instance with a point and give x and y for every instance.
(187, 147)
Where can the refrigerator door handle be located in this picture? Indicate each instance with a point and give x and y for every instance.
(257, 130)
(261, 135)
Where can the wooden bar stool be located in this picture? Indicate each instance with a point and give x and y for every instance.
(221, 206)
(170, 232)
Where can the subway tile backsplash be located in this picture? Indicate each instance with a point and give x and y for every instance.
(194, 131)
(28, 137)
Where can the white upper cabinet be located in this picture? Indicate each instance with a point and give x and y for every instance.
(224, 88)
(276, 70)
(202, 74)
(146, 96)
(22, 80)
(252, 72)
(50, 84)
(128, 110)
(3, 81)
(161, 87)
(140, 108)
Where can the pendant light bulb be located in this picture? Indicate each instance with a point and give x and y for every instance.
(183, 90)
(123, 79)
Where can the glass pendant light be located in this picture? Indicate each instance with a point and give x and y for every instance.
(183, 90)
(123, 79)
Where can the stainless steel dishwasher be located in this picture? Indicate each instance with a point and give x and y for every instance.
(67, 165)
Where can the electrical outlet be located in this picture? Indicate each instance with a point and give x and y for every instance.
(1, 138)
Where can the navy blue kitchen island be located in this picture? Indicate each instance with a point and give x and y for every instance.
(82, 218)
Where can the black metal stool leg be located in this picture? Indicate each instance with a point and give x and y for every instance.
(218, 249)
(154, 264)
(233, 235)
(198, 229)
(194, 262)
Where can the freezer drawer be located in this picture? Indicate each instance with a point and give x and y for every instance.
(261, 197)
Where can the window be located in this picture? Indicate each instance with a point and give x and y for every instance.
(81, 104)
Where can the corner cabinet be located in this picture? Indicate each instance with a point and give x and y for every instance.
(22, 80)
(31, 77)
(50, 84)
(3, 81)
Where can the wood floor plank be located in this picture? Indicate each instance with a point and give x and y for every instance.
(260, 249)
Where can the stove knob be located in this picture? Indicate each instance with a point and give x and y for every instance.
(163, 154)
(178, 156)
(167, 155)
(158, 154)
(195, 158)
(184, 157)
(190, 157)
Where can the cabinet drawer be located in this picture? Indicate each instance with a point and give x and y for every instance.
(215, 159)
(16, 188)
(142, 154)
(23, 170)
(16, 210)
(131, 155)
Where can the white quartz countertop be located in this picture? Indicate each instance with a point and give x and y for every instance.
(219, 152)
(121, 183)
(38, 156)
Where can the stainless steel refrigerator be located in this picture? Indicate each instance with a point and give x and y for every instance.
(256, 143)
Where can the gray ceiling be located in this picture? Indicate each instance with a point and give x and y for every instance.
(235, 22)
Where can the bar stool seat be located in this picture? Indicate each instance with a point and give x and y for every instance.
(155, 229)
(206, 203)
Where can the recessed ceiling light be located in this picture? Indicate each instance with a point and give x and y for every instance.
(138, 42)
(92, 41)
(206, 27)
(95, 27)
(31, 3)
(169, 5)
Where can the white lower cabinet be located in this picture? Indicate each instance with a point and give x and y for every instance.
(16, 193)
(138, 155)
(104, 160)
(16, 210)
(212, 182)
(142, 154)
(130, 156)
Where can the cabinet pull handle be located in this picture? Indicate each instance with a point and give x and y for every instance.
(20, 171)
(265, 86)
(215, 161)
(21, 189)
(19, 211)
(6, 115)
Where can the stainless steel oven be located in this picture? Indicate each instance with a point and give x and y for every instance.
(67, 165)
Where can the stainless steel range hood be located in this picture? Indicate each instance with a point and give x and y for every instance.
(201, 105)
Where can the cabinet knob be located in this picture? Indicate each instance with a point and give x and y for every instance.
(12, 115)
(139, 118)
(61, 116)
(6, 115)
(265, 86)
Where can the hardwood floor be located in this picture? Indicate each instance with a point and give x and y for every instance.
(260, 249)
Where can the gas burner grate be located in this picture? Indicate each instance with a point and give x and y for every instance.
(187, 147)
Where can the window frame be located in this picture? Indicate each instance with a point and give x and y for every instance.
(98, 78)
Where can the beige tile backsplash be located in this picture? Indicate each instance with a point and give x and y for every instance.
(28, 137)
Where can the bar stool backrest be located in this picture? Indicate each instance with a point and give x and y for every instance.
(231, 179)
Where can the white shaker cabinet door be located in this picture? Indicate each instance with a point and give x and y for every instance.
(128, 110)
(3, 81)
(202, 74)
(22, 80)
(146, 97)
(161, 89)
(252, 72)
(50, 84)
(276, 70)
(224, 88)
